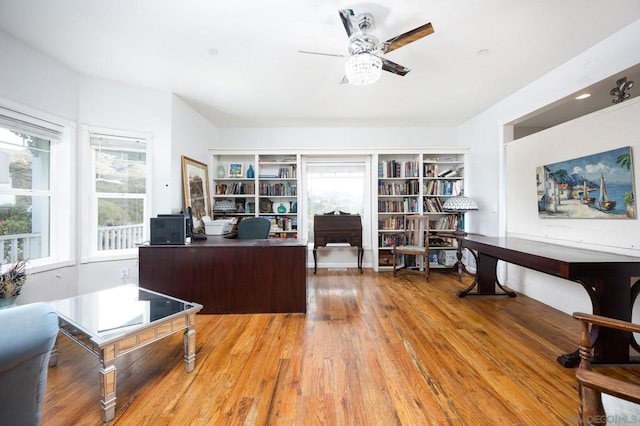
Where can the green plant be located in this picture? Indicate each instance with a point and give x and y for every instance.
(628, 198)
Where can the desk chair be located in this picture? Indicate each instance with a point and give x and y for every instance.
(254, 228)
(27, 335)
(416, 243)
(621, 396)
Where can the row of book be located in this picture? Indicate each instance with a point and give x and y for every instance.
(391, 223)
(444, 187)
(390, 240)
(288, 189)
(282, 223)
(408, 205)
(396, 169)
(281, 173)
(433, 170)
(409, 187)
(433, 205)
(445, 222)
(235, 188)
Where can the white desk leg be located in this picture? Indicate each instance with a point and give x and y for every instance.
(108, 392)
(189, 349)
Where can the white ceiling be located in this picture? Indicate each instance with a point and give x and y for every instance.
(258, 78)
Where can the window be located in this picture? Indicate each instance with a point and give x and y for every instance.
(120, 178)
(339, 184)
(32, 192)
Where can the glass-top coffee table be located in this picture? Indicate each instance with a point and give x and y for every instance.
(113, 322)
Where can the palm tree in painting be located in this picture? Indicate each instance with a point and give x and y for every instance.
(624, 160)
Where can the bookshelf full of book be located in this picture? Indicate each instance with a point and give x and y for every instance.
(232, 183)
(418, 184)
(398, 194)
(278, 193)
(260, 185)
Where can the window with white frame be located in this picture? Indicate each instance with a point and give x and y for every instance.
(338, 184)
(33, 192)
(120, 187)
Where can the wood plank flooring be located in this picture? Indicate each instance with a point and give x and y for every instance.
(372, 350)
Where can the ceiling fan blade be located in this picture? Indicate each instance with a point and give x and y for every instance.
(337, 55)
(408, 37)
(394, 68)
(345, 15)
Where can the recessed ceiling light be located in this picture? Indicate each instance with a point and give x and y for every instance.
(583, 96)
(482, 52)
(213, 52)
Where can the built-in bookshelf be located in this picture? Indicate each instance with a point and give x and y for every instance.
(278, 193)
(417, 184)
(443, 176)
(398, 193)
(266, 186)
(230, 182)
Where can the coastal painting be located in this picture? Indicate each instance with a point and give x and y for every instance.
(598, 186)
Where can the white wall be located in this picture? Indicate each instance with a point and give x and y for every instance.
(335, 139)
(38, 82)
(120, 106)
(488, 173)
(191, 135)
(614, 127)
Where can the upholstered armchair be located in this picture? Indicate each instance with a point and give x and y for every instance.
(27, 335)
(621, 397)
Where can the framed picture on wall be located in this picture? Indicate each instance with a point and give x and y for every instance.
(195, 184)
(597, 186)
(235, 170)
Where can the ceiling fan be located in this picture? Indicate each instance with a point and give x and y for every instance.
(365, 63)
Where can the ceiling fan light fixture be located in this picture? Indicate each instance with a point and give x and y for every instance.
(363, 68)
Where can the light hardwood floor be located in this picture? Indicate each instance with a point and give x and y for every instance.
(372, 350)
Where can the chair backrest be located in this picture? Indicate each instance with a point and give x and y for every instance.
(416, 228)
(27, 335)
(254, 228)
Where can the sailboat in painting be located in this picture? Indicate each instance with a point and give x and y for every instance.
(585, 195)
(604, 203)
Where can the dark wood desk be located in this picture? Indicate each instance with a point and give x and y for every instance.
(607, 278)
(337, 228)
(228, 276)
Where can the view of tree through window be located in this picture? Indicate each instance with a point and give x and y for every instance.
(120, 172)
(335, 187)
(24, 196)
(120, 188)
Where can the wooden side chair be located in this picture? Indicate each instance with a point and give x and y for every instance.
(592, 384)
(416, 243)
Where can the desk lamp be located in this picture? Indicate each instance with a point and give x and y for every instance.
(459, 204)
(224, 206)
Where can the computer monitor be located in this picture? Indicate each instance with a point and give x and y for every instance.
(168, 229)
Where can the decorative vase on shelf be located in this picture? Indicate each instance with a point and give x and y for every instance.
(250, 173)
(220, 171)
